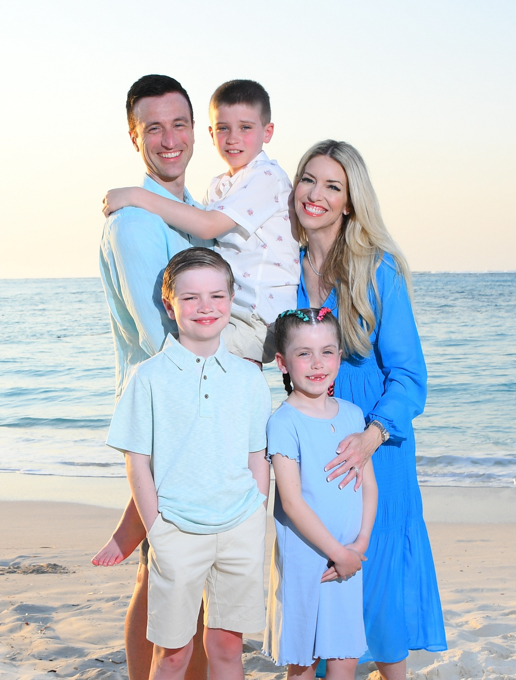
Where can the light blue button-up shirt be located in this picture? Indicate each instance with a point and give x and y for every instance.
(135, 249)
(198, 419)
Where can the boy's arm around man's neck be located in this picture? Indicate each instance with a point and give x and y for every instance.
(204, 224)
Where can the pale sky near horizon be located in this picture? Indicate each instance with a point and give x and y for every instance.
(424, 90)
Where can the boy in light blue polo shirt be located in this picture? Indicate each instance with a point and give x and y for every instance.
(191, 423)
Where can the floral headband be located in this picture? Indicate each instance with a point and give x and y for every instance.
(301, 315)
(295, 312)
(322, 313)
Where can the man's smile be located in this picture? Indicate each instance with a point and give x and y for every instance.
(169, 154)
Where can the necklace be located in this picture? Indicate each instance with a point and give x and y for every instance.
(311, 264)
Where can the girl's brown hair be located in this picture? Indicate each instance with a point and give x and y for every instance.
(288, 321)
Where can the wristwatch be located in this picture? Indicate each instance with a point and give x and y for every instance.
(384, 433)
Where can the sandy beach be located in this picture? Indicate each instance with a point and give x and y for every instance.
(61, 616)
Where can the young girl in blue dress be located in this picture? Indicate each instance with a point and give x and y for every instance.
(315, 595)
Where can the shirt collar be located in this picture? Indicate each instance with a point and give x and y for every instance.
(231, 179)
(184, 359)
(151, 185)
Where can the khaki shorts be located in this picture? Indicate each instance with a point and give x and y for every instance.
(227, 566)
(249, 337)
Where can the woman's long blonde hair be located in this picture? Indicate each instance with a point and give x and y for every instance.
(351, 264)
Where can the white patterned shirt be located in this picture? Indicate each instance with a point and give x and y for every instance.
(261, 250)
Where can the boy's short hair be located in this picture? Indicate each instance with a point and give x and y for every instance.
(243, 92)
(152, 86)
(194, 258)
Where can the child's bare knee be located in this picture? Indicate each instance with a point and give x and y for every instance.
(223, 645)
(171, 660)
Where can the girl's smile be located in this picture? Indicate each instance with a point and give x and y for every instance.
(312, 359)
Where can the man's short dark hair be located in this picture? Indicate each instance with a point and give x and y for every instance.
(243, 92)
(152, 86)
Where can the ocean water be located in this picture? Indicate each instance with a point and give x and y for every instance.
(57, 379)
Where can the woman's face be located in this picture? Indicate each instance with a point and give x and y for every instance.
(321, 197)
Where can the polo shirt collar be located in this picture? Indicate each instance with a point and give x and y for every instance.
(151, 185)
(184, 359)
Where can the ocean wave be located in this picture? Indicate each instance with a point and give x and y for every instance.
(52, 473)
(57, 423)
(448, 460)
(450, 470)
(90, 464)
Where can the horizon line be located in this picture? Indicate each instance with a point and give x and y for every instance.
(415, 271)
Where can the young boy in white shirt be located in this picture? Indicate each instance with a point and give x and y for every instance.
(191, 423)
(246, 212)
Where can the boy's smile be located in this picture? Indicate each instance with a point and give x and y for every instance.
(201, 307)
(239, 134)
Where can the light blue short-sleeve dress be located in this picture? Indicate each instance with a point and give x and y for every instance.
(307, 619)
(402, 609)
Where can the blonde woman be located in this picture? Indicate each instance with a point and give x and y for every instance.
(351, 265)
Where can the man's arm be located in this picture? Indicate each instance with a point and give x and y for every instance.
(260, 469)
(204, 224)
(142, 487)
(133, 256)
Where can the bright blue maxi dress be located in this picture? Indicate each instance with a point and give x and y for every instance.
(402, 608)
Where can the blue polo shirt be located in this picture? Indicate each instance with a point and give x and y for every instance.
(198, 419)
(135, 248)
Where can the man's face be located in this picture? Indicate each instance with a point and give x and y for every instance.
(164, 136)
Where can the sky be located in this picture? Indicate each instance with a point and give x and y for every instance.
(424, 90)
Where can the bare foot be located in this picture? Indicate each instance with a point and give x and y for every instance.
(109, 555)
(128, 535)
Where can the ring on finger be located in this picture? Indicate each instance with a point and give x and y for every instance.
(355, 469)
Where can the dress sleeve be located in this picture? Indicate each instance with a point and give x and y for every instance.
(282, 436)
(131, 426)
(139, 256)
(399, 355)
(253, 201)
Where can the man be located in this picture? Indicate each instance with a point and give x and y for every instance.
(135, 249)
